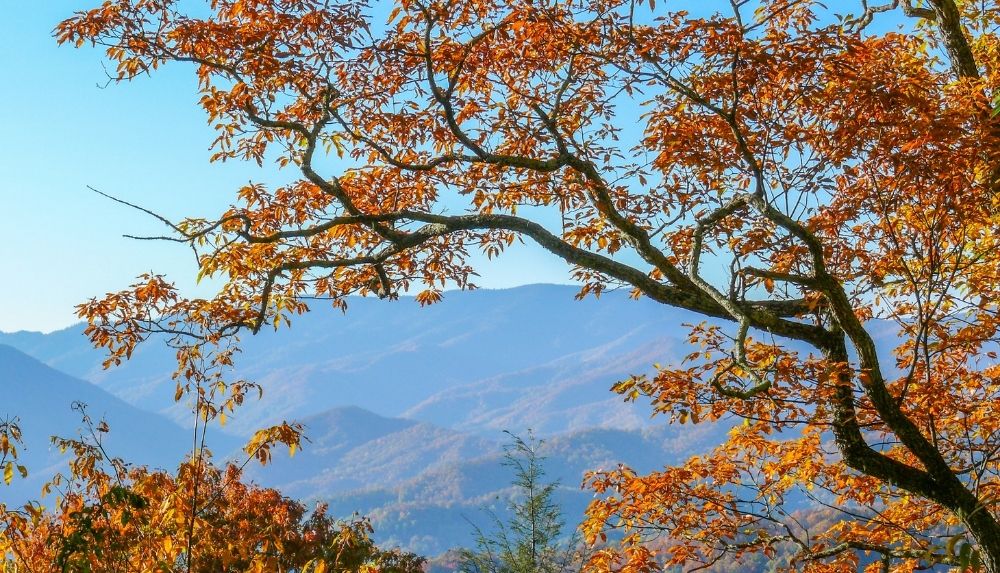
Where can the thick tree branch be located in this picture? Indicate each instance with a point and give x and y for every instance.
(956, 44)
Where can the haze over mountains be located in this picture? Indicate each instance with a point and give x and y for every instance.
(42, 399)
(404, 406)
(478, 361)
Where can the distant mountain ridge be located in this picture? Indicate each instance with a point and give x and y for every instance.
(404, 406)
(436, 510)
(423, 485)
(351, 448)
(41, 398)
(478, 361)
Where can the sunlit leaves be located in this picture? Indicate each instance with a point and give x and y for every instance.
(110, 516)
(813, 183)
(263, 441)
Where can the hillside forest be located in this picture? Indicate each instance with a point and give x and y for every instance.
(779, 219)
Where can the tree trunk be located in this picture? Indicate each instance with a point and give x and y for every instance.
(986, 532)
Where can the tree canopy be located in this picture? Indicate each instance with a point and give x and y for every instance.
(107, 516)
(798, 176)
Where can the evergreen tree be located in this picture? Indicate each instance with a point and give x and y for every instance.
(530, 541)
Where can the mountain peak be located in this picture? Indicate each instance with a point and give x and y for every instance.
(15, 364)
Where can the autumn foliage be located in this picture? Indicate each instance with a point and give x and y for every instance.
(786, 168)
(112, 517)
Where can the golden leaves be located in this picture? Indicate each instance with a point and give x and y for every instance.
(10, 440)
(427, 297)
(614, 139)
(260, 444)
(144, 519)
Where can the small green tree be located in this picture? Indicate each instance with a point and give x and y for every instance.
(530, 541)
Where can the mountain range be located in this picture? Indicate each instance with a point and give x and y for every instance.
(484, 360)
(45, 403)
(404, 406)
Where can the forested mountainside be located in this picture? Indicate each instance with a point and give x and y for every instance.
(42, 400)
(482, 361)
(423, 485)
(404, 407)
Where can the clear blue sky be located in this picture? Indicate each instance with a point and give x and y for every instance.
(146, 142)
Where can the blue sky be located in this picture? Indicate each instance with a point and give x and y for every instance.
(146, 142)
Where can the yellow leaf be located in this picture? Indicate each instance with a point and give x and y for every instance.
(8, 473)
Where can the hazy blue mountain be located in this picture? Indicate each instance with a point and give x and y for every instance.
(350, 448)
(478, 361)
(422, 484)
(41, 398)
(437, 509)
(403, 405)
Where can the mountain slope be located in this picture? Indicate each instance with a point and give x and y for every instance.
(439, 508)
(478, 361)
(404, 406)
(42, 399)
(423, 484)
(351, 448)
